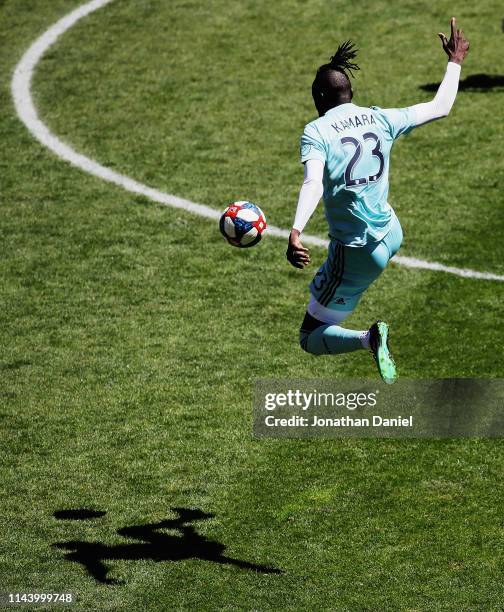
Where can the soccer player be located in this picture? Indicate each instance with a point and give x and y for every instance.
(346, 153)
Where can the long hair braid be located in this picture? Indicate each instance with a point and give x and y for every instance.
(341, 60)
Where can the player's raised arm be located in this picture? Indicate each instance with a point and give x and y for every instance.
(456, 48)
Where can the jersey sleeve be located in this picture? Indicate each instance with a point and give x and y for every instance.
(312, 145)
(397, 120)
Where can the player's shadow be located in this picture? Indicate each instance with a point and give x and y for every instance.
(153, 544)
(474, 82)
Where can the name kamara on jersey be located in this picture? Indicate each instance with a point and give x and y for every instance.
(340, 126)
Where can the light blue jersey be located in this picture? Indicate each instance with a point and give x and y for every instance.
(354, 143)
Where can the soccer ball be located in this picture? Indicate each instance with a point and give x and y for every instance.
(242, 224)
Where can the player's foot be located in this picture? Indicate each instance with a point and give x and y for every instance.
(378, 341)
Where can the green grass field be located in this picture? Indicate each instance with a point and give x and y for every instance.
(131, 333)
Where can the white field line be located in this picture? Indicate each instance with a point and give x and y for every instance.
(27, 112)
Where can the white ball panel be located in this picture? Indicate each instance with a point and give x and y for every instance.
(247, 214)
(249, 236)
(229, 227)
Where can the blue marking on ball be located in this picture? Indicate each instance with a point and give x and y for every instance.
(241, 226)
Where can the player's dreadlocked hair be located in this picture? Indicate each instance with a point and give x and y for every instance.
(341, 60)
(332, 81)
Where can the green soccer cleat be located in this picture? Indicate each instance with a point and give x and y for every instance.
(378, 341)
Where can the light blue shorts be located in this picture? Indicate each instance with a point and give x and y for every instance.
(349, 271)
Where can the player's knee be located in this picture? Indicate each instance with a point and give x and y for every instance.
(303, 340)
(308, 326)
(313, 347)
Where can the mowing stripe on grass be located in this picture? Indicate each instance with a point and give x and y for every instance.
(27, 112)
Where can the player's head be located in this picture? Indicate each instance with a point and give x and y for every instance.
(332, 86)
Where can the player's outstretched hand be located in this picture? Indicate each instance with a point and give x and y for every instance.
(457, 47)
(297, 254)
